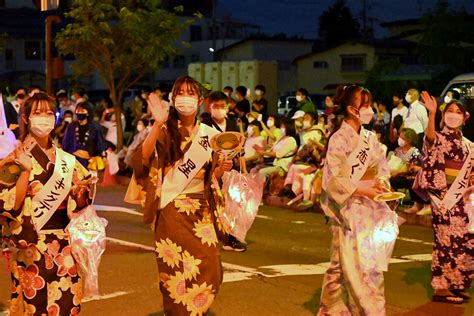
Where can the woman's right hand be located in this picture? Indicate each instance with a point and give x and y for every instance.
(429, 102)
(158, 108)
(368, 192)
(23, 159)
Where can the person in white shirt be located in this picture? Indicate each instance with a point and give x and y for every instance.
(283, 151)
(64, 103)
(254, 140)
(417, 116)
(109, 121)
(399, 108)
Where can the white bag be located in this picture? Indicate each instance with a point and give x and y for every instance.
(112, 161)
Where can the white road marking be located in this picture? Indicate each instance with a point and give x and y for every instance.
(104, 297)
(297, 222)
(111, 208)
(415, 241)
(264, 216)
(129, 244)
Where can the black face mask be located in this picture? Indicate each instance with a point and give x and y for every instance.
(82, 116)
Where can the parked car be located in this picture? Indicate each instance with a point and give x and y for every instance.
(287, 104)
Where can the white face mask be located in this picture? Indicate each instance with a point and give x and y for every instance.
(140, 127)
(366, 115)
(306, 124)
(283, 131)
(299, 98)
(219, 114)
(453, 120)
(447, 99)
(144, 96)
(186, 105)
(41, 126)
(68, 119)
(270, 123)
(250, 131)
(408, 98)
(401, 142)
(258, 92)
(227, 94)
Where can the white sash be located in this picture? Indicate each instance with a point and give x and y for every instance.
(359, 158)
(460, 184)
(53, 193)
(183, 171)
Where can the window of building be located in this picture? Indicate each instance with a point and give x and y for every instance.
(179, 62)
(320, 64)
(32, 50)
(353, 63)
(195, 33)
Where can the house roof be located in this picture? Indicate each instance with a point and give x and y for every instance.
(400, 22)
(263, 39)
(377, 43)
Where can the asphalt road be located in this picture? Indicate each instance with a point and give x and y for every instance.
(280, 274)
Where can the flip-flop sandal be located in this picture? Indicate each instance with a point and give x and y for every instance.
(451, 299)
(462, 294)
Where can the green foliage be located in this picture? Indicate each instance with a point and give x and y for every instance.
(120, 39)
(382, 90)
(448, 38)
(3, 40)
(337, 25)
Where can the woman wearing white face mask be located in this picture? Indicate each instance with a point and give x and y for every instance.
(35, 222)
(447, 168)
(271, 132)
(403, 174)
(180, 170)
(355, 171)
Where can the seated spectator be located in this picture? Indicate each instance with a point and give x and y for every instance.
(138, 139)
(282, 151)
(303, 102)
(60, 129)
(382, 116)
(254, 140)
(310, 132)
(271, 130)
(404, 164)
(302, 173)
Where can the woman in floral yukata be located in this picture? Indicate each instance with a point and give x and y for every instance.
(354, 173)
(182, 200)
(37, 208)
(446, 156)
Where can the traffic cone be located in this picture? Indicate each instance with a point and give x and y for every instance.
(109, 180)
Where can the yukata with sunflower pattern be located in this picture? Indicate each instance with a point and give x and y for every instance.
(186, 233)
(43, 271)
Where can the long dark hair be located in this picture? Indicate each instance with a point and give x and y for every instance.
(172, 138)
(25, 111)
(345, 97)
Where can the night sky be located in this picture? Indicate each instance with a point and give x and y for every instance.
(300, 17)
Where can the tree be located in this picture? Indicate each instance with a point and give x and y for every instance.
(447, 38)
(121, 40)
(337, 25)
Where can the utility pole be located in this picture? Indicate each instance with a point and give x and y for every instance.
(49, 60)
(214, 29)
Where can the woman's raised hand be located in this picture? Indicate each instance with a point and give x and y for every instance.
(429, 102)
(22, 158)
(159, 110)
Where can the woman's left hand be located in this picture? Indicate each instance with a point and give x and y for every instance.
(225, 164)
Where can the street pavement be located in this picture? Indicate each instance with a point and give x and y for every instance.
(280, 273)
